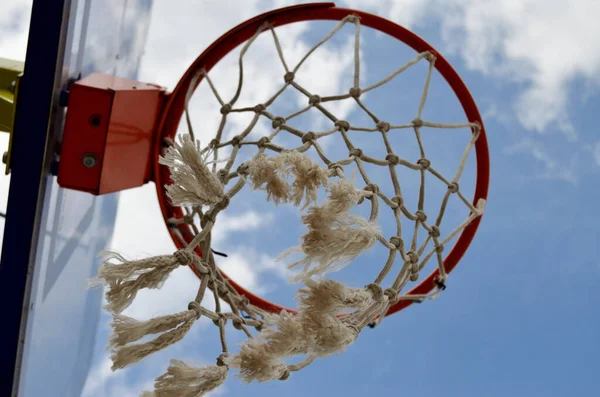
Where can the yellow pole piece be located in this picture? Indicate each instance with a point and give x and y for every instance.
(10, 74)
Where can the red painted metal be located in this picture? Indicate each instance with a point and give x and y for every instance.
(110, 121)
(174, 109)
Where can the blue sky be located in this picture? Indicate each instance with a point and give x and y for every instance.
(518, 317)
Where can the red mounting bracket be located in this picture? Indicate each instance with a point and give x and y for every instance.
(109, 133)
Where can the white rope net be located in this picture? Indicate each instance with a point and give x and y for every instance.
(334, 237)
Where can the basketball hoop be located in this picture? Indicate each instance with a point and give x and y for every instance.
(192, 192)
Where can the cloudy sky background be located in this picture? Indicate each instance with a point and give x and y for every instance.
(518, 316)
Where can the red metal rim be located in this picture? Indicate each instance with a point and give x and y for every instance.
(174, 109)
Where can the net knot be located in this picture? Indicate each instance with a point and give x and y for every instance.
(356, 153)
(238, 322)
(398, 200)
(417, 122)
(383, 126)
(226, 109)
(263, 141)
(214, 143)
(371, 187)
(375, 290)
(435, 231)
(439, 248)
(314, 100)
(277, 122)
(221, 320)
(453, 187)
(430, 56)
(393, 159)
(236, 140)
(221, 205)
(222, 175)
(260, 108)
(183, 257)
(243, 169)
(412, 257)
(285, 375)
(289, 77)
(195, 306)
(221, 360)
(243, 302)
(188, 219)
(309, 137)
(397, 241)
(392, 295)
(336, 169)
(421, 216)
(355, 92)
(343, 125)
(424, 163)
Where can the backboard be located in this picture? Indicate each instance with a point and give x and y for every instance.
(52, 236)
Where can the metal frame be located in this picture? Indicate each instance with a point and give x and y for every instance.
(32, 154)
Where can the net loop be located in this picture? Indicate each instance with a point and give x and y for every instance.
(393, 159)
(398, 200)
(355, 92)
(184, 257)
(309, 137)
(421, 216)
(397, 242)
(392, 295)
(285, 375)
(226, 109)
(195, 306)
(453, 187)
(383, 126)
(343, 125)
(237, 140)
(371, 187)
(289, 77)
(278, 122)
(263, 141)
(424, 163)
(375, 290)
(314, 100)
(357, 153)
(417, 122)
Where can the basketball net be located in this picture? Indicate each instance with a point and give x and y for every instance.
(334, 237)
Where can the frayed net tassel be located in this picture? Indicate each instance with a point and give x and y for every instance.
(256, 362)
(329, 334)
(332, 247)
(308, 176)
(181, 380)
(274, 172)
(177, 326)
(287, 338)
(343, 195)
(193, 182)
(265, 171)
(125, 278)
(329, 297)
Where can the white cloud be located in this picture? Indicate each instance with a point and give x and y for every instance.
(14, 28)
(543, 45)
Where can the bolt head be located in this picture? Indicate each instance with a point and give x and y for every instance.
(90, 160)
